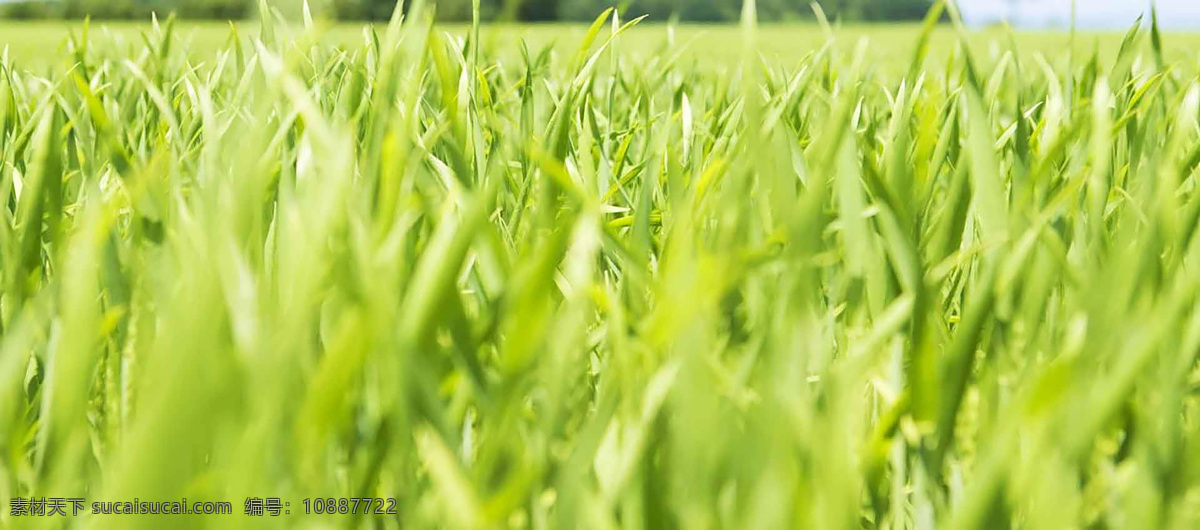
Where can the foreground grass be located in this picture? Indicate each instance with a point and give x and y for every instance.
(592, 286)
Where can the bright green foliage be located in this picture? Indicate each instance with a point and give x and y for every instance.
(602, 288)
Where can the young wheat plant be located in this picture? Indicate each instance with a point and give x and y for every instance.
(592, 286)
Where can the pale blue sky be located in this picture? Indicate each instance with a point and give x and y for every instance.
(1091, 14)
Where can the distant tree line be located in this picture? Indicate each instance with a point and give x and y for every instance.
(460, 10)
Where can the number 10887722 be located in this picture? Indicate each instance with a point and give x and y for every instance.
(349, 506)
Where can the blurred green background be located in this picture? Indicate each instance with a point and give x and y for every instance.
(39, 42)
(460, 10)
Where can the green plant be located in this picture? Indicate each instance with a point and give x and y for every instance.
(602, 288)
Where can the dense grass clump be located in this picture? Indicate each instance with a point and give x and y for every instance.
(604, 287)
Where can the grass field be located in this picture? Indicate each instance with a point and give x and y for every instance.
(35, 43)
(780, 279)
